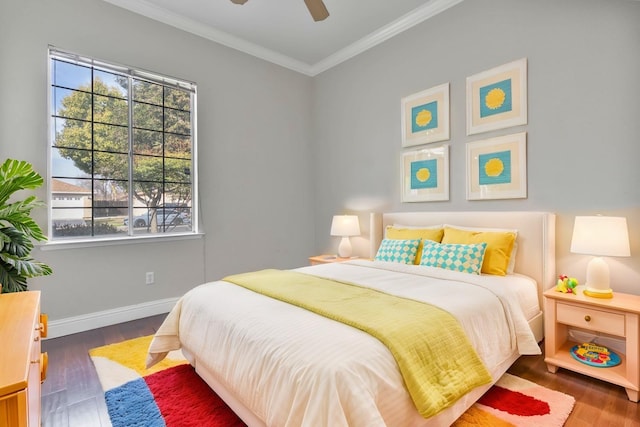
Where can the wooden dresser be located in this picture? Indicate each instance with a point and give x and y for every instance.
(22, 365)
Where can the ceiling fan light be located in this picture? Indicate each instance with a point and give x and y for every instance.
(238, 1)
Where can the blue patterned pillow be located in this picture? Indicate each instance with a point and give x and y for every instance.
(402, 251)
(456, 257)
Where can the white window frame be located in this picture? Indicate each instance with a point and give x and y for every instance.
(132, 73)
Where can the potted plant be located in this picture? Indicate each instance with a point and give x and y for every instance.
(17, 228)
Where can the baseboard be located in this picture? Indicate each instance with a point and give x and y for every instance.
(86, 322)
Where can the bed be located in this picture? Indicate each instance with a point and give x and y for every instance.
(277, 364)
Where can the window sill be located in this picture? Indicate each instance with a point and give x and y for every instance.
(135, 240)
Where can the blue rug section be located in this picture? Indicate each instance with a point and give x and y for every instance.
(133, 405)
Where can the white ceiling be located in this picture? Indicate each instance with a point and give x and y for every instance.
(283, 32)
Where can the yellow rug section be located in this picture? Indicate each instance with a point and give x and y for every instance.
(476, 417)
(122, 362)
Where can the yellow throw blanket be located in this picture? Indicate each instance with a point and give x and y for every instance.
(435, 358)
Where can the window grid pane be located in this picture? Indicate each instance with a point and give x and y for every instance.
(107, 170)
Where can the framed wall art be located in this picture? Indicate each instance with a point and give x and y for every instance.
(497, 168)
(425, 116)
(497, 98)
(425, 174)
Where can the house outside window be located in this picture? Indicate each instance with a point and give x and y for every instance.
(122, 151)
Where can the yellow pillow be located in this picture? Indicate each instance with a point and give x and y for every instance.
(397, 233)
(499, 246)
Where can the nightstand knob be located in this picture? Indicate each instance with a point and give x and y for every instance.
(587, 318)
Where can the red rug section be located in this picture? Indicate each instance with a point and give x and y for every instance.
(185, 400)
(514, 402)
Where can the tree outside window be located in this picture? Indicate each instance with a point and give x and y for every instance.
(122, 151)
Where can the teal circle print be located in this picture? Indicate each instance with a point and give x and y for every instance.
(495, 168)
(424, 174)
(495, 98)
(424, 117)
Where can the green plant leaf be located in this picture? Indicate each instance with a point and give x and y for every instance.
(17, 228)
(17, 175)
(11, 280)
(18, 215)
(26, 267)
(18, 245)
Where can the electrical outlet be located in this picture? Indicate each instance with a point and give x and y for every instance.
(149, 278)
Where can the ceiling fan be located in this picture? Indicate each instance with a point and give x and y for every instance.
(317, 8)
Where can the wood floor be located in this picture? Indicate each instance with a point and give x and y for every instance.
(72, 396)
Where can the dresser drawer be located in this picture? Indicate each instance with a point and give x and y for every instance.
(588, 318)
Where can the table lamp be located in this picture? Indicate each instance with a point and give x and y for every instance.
(599, 236)
(345, 226)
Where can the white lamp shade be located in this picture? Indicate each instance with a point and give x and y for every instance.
(600, 236)
(345, 225)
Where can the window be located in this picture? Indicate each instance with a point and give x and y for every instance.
(122, 151)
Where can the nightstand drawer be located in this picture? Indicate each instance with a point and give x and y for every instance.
(588, 318)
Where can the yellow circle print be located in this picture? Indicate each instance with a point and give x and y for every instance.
(495, 98)
(423, 118)
(494, 167)
(423, 174)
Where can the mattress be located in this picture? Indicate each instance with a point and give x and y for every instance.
(291, 367)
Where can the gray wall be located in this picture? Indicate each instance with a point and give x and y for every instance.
(280, 153)
(253, 141)
(583, 132)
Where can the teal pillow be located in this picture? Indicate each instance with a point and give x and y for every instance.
(456, 257)
(402, 251)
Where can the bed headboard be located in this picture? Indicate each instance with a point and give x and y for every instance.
(535, 256)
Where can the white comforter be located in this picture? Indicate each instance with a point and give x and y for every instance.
(291, 367)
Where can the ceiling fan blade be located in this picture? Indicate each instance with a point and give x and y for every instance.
(317, 9)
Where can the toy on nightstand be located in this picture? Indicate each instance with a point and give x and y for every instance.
(566, 284)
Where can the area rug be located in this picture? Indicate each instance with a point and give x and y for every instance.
(171, 394)
(514, 401)
(168, 394)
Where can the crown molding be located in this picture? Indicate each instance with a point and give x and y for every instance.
(156, 13)
(409, 20)
(396, 27)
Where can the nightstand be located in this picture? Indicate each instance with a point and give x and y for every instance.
(615, 317)
(325, 259)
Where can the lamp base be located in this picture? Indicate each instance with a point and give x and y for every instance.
(344, 249)
(598, 293)
(597, 284)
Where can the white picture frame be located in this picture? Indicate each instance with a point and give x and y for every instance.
(425, 174)
(497, 98)
(425, 116)
(497, 168)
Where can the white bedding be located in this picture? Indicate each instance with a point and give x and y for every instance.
(291, 367)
